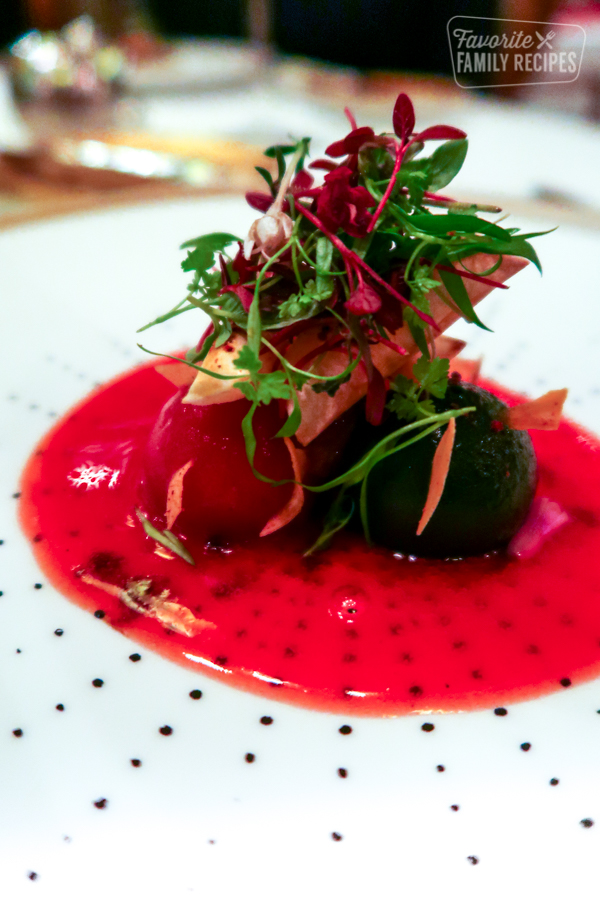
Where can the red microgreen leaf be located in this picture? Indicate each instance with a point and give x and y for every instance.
(441, 133)
(403, 118)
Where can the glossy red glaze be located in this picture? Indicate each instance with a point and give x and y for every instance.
(353, 629)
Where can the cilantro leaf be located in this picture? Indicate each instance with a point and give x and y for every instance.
(201, 257)
(432, 375)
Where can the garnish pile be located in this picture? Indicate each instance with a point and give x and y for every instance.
(341, 291)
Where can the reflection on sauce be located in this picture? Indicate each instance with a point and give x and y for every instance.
(353, 629)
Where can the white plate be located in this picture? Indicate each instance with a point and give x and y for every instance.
(195, 819)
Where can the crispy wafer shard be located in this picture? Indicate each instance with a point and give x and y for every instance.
(320, 410)
(175, 494)
(179, 374)
(296, 501)
(543, 413)
(468, 369)
(439, 473)
(206, 389)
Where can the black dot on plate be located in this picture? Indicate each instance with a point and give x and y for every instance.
(166, 730)
(97, 682)
(343, 773)
(250, 757)
(136, 763)
(441, 768)
(195, 694)
(474, 860)
(38, 586)
(58, 632)
(60, 707)
(266, 720)
(33, 876)
(102, 803)
(565, 682)
(18, 732)
(554, 782)
(525, 746)
(336, 836)
(500, 711)
(135, 657)
(18, 650)
(99, 613)
(345, 729)
(427, 726)
(455, 807)
(587, 823)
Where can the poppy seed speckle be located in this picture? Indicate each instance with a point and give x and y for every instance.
(500, 711)
(336, 836)
(266, 720)
(135, 657)
(196, 694)
(427, 726)
(98, 682)
(166, 730)
(587, 823)
(345, 729)
(525, 746)
(102, 803)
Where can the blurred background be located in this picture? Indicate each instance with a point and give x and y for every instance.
(117, 101)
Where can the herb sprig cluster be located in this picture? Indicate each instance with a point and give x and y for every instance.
(359, 254)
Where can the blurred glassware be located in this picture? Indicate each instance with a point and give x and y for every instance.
(74, 65)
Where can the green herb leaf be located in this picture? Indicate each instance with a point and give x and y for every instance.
(432, 375)
(446, 162)
(166, 538)
(457, 290)
(338, 516)
(202, 256)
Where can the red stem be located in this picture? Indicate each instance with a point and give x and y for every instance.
(389, 188)
(472, 276)
(350, 118)
(358, 262)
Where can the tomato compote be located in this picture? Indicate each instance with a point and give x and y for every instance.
(350, 629)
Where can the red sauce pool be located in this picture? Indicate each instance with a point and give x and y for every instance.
(352, 629)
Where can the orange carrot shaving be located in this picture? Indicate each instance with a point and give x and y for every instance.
(439, 472)
(175, 494)
(543, 413)
(296, 501)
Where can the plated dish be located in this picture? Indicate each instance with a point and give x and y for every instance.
(225, 823)
(176, 502)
